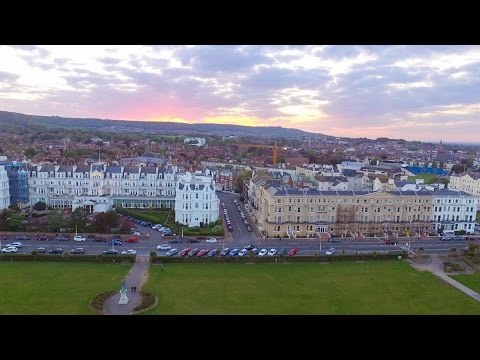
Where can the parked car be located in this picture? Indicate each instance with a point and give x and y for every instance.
(99, 239)
(263, 252)
(292, 252)
(79, 238)
(3, 237)
(115, 243)
(243, 252)
(234, 252)
(110, 252)
(41, 250)
(22, 238)
(164, 247)
(254, 251)
(202, 253)
(184, 252)
(10, 249)
(225, 251)
(129, 252)
(211, 240)
(446, 238)
(193, 252)
(56, 251)
(194, 240)
(330, 251)
(249, 247)
(171, 252)
(62, 238)
(175, 241)
(212, 252)
(78, 251)
(17, 244)
(282, 251)
(132, 239)
(272, 252)
(43, 238)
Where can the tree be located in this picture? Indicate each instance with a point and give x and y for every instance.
(78, 219)
(458, 168)
(29, 152)
(104, 222)
(241, 177)
(40, 206)
(16, 222)
(55, 220)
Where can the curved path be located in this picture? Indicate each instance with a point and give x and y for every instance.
(135, 277)
(436, 268)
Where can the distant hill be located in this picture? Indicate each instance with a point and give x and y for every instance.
(17, 119)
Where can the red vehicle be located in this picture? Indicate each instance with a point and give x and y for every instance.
(3, 237)
(184, 252)
(293, 252)
(202, 253)
(132, 239)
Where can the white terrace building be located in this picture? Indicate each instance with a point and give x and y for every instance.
(4, 189)
(99, 187)
(196, 203)
(454, 210)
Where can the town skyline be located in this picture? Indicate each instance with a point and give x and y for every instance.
(423, 93)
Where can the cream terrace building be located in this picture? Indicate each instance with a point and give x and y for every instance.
(100, 187)
(282, 212)
(196, 203)
(468, 182)
(4, 189)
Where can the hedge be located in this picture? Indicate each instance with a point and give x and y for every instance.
(70, 258)
(271, 259)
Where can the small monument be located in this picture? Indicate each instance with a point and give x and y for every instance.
(123, 294)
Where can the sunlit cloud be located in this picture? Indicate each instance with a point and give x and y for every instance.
(411, 92)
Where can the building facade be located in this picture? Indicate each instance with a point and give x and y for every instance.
(196, 203)
(467, 182)
(282, 212)
(18, 181)
(4, 189)
(454, 211)
(100, 187)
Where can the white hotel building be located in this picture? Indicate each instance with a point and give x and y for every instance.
(454, 210)
(195, 200)
(4, 189)
(99, 187)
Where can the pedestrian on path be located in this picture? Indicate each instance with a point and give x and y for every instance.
(134, 289)
(162, 267)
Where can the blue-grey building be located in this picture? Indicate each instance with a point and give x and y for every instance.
(18, 182)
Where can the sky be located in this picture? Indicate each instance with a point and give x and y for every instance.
(417, 92)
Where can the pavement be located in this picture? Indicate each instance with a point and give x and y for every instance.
(435, 266)
(136, 277)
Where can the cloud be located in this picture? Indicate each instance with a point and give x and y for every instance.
(340, 90)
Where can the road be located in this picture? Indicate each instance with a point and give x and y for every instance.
(241, 237)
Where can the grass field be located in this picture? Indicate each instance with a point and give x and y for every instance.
(429, 178)
(472, 281)
(380, 287)
(55, 288)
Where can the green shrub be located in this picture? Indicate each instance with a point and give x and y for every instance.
(98, 301)
(148, 300)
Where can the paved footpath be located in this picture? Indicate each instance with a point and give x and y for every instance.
(436, 267)
(136, 277)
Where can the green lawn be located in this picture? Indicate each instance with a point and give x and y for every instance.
(377, 287)
(55, 288)
(429, 178)
(472, 281)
